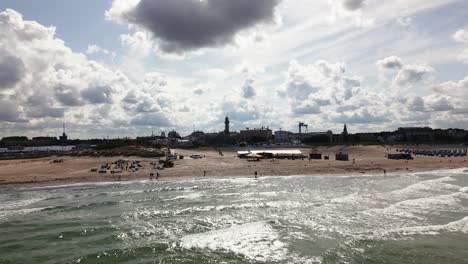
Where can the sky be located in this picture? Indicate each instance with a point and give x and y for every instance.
(117, 68)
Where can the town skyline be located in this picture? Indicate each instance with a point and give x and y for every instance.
(281, 63)
(301, 128)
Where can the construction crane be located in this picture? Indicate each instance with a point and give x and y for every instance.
(301, 125)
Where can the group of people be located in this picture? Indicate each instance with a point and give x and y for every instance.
(152, 176)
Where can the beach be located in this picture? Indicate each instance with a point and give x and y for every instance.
(219, 163)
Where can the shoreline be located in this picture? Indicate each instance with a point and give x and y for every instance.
(369, 160)
(72, 185)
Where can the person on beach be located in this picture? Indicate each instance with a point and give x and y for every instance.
(256, 175)
(204, 173)
(157, 175)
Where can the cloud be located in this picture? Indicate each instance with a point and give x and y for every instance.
(454, 89)
(392, 62)
(305, 109)
(68, 96)
(439, 103)
(239, 110)
(93, 49)
(200, 90)
(11, 69)
(415, 103)
(9, 111)
(147, 105)
(41, 111)
(48, 81)
(362, 116)
(151, 120)
(353, 4)
(411, 74)
(461, 36)
(141, 102)
(98, 95)
(138, 41)
(155, 80)
(325, 82)
(464, 56)
(248, 91)
(187, 25)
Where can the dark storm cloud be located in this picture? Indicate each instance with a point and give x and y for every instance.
(183, 25)
(11, 69)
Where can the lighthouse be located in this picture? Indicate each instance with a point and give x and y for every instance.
(226, 126)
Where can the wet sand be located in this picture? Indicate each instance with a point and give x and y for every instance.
(368, 160)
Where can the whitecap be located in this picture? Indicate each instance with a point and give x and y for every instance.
(424, 188)
(9, 213)
(459, 226)
(255, 241)
(18, 204)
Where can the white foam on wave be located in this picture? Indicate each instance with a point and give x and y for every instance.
(356, 199)
(84, 185)
(4, 206)
(454, 172)
(151, 213)
(9, 213)
(424, 188)
(459, 226)
(255, 241)
(190, 196)
(433, 203)
(414, 208)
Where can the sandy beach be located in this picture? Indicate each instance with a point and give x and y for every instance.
(368, 160)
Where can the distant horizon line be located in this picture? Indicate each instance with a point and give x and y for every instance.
(222, 132)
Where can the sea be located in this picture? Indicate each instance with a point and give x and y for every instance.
(399, 218)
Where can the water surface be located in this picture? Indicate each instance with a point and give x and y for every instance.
(407, 218)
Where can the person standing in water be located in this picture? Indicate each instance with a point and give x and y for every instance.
(256, 175)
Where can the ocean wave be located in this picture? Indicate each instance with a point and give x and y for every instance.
(414, 208)
(8, 205)
(4, 215)
(428, 187)
(151, 213)
(458, 226)
(255, 241)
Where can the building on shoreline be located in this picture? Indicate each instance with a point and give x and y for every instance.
(259, 136)
(256, 135)
(226, 126)
(282, 136)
